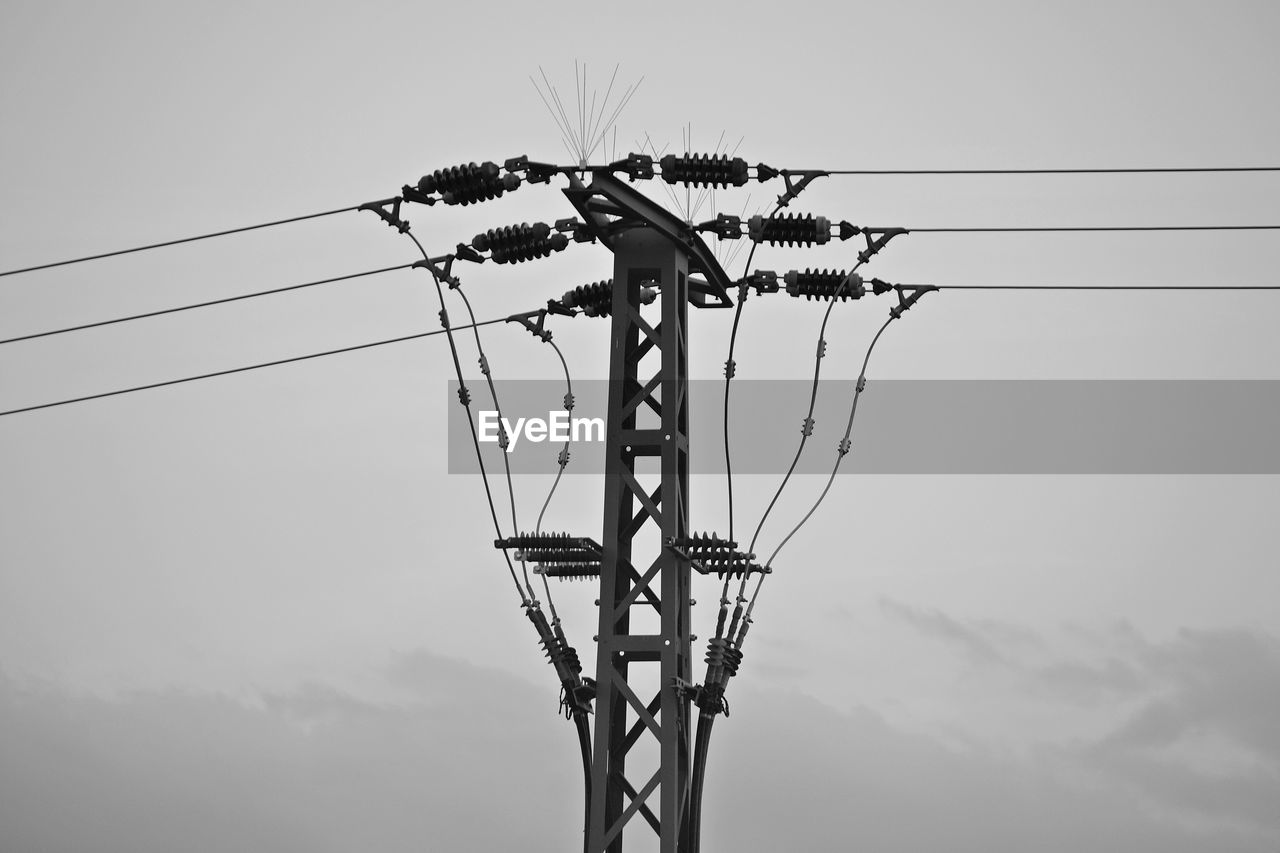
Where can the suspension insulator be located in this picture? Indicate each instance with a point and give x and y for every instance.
(709, 170)
(825, 284)
(469, 183)
(792, 229)
(515, 243)
(596, 300)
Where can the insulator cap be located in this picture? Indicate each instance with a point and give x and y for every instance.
(794, 228)
(469, 183)
(825, 284)
(709, 170)
(515, 243)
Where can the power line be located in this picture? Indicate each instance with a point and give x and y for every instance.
(1066, 228)
(1129, 171)
(244, 368)
(95, 325)
(180, 240)
(1100, 286)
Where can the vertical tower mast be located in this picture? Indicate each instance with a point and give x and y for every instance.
(641, 763)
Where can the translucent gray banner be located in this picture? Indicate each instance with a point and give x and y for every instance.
(905, 426)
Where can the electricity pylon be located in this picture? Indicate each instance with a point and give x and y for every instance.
(641, 764)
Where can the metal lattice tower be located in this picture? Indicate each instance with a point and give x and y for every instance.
(644, 641)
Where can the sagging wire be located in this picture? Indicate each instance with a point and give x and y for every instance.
(562, 458)
(503, 439)
(806, 430)
(842, 450)
(563, 656)
(464, 397)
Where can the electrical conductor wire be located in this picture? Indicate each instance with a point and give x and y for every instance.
(466, 404)
(242, 369)
(853, 410)
(193, 239)
(223, 301)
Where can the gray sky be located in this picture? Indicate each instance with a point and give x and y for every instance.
(256, 613)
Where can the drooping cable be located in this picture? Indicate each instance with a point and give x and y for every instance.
(223, 301)
(502, 440)
(212, 234)
(807, 424)
(562, 460)
(464, 397)
(842, 451)
(730, 370)
(564, 451)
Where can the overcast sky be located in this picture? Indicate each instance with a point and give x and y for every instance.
(256, 612)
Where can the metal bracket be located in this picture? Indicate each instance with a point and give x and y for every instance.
(905, 302)
(537, 329)
(881, 237)
(794, 189)
(392, 216)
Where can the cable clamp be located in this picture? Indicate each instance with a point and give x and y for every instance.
(636, 167)
(725, 226)
(806, 429)
(905, 302)
(563, 458)
(844, 446)
(575, 229)
(444, 318)
(822, 347)
(538, 329)
(764, 281)
(862, 383)
(880, 286)
(568, 401)
(535, 173)
(794, 189)
(440, 273)
(392, 216)
(464, 396)
(730, 369)
(484, 364)
(877, 238)
(417, 196)
(463, 252)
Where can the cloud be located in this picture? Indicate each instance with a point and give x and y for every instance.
(788, 773)
(980, 643)
(314, 769)
(465, 758)
(1190, 724)
(1208, 741)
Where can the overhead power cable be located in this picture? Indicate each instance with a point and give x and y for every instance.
(149, 246)
(1201, 287)
(1137, 170)
(1003, 229)
(253, 295)
(243, 369)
